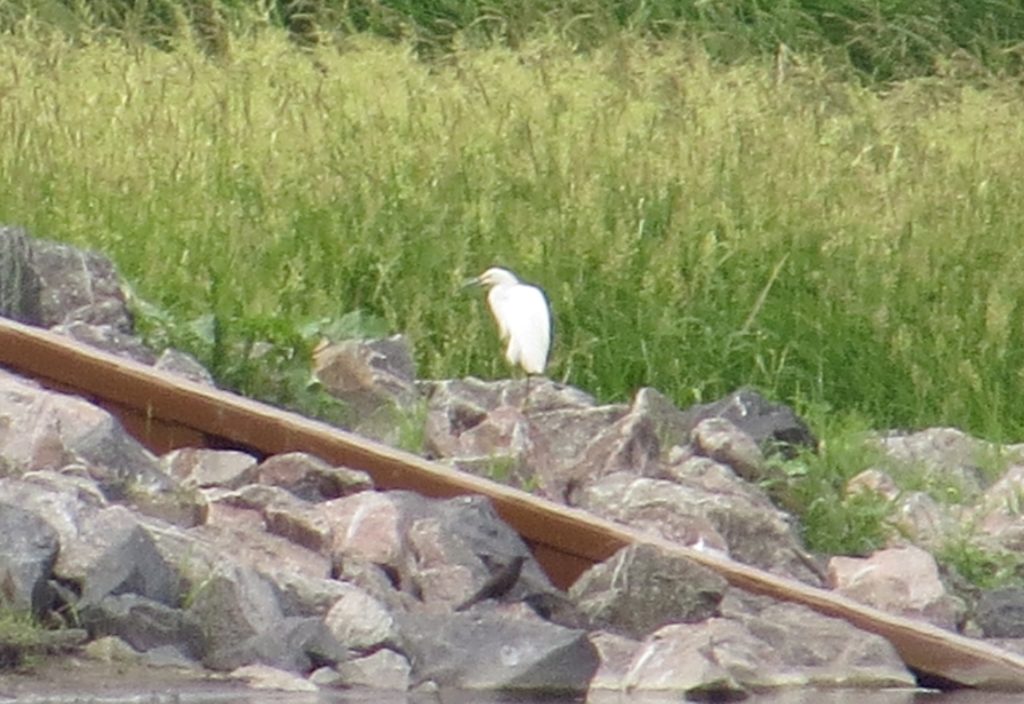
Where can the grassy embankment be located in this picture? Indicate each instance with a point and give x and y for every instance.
(780, 221)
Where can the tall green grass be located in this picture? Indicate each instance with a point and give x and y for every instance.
(883, 41)
(696, 226)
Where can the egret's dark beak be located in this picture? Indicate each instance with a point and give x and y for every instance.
(469, 283)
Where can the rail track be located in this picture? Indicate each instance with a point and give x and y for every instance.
(165, 412)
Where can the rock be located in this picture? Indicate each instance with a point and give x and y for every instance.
(205, 468)
(709, 497)
(815, 650)
(264, 677)
(234, 604)
(616, 653)
(721, 441)
(295, 645)
(366, 525)
(184, 365)
(310, 478)
(143, 623)
(902, 581)
(373, 377)
(697, 660)
(283, 514)
(772, 426)
(20, 286)
(384, 669)
(671, 426)
(360, 622)
(79, 285)
(630, 444)
(241, 533)
(460, 546)
(997, 513)
(1000, 612)
(48, 430)
(109, 339)
(456, 407)
(131, 564)
(27, 559)
(641, 588)
(482, 651)
(946, 456)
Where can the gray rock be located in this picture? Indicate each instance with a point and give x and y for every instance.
(721, 441)
(903, 581)
(814, 649)
(26, 561)
(772, 426)
(194, 466)
(360, 622)
(671, 426)
(132, 564)
(481, 650)
(109, 339)
(79, 285)
(295, 644)
(144, 623)
(1000, 612)
(384, 669)
(462, 542)
(373, 377)
(310, 478)
(184, 365)
(754, 530)
(947, 456)
(455, 407)
(20, 286)
(641, 588)
(234, 604)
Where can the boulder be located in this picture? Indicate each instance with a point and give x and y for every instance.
(360, 622)
(705, 506)
(947, 456)
(26, 561)
(774, 427)
(242, 533)
(184, 365)
(48, 430)
(201, 467)
(131, 564)
(20, 286)
(374, 378)
(481, 650)
(384, 669)
(310, 478)
(1000, 612)
(720, 440)
(79, 285)
(698, 660)
(235, 605)
(902, 581)
(144, 623)
(641, 588)
(109, 339)
(814, 650)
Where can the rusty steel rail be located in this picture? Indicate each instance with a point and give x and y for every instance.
(164, 411)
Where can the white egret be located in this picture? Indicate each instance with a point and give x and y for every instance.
(523, 317)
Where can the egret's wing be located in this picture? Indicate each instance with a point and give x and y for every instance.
(524, 320)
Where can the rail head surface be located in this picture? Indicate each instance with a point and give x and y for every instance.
(577, 537)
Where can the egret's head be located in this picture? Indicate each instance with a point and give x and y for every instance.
(495, 276)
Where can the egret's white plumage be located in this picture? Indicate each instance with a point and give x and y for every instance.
(523, 317)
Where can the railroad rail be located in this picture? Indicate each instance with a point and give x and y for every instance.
(164, 412)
